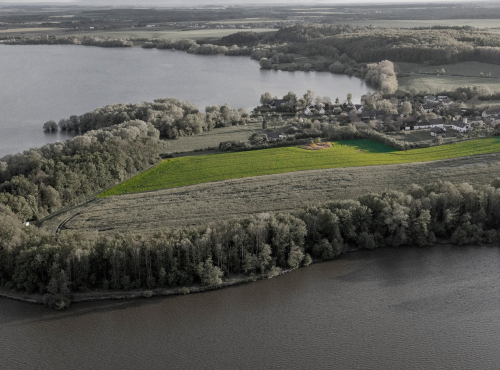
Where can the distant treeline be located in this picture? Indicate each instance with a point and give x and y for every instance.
(171, 117)
(194, 47)
(70, 40)
(33, 261)
(443, 45)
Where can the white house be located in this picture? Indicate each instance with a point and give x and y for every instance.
(438, 122)
(460, 126)
(492, 112)
(307, 112)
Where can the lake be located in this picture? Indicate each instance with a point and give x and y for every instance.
(406, 308)
(41, 83)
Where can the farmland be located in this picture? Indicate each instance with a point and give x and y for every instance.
(464, 69)
(184, 171)
(425, 78)
(212, 138)
(200, 204)
(170, 34)
(413, 23)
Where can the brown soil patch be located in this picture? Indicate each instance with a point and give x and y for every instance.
(317, 146)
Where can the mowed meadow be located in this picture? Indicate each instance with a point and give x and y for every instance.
(177, 172)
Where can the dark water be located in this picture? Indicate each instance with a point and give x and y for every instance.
(435, 308)
(40, 83)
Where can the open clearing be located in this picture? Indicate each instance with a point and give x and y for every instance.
(231, 199)
(170, 34)
(464, 69)
(433, 83)
(212, 138)
(29, 30)
(185, 171)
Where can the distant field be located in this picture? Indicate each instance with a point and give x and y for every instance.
(479, 23)
(433, 83)
(170, 34)
(30, 30)
(201, 204)
(179, 172)
(462, 69)
(456, 75)
(210, 139)
(244, 21)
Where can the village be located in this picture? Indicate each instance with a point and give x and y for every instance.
(421, 118)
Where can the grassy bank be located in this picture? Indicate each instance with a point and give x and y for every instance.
(179, 172)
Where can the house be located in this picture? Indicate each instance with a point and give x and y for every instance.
(438, 122)
(491, 112)
(442, 97)
(429, 107)
(371, 114)
(321, 111)
(274, 136)
(410, 120)
(438, 131)
(276, 103)
(26, 223)
(460, 126)
(447, 101)
(358, 107)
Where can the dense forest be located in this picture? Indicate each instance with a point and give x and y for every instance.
(39, 181)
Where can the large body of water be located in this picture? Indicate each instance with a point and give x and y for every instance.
(407, 308)
(40, 83)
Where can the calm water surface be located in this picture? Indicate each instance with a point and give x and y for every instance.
(40, 83)
(434, 308)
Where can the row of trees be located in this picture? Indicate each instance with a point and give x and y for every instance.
(33, 261)
(171, 117)
(70, 40)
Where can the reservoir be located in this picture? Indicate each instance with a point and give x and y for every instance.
(41, 83)
(406, 308)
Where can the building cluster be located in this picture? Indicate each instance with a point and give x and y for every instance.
(429, 114)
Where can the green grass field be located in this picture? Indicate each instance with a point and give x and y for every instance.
(184, 171)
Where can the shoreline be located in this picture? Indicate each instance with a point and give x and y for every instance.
(101, 295)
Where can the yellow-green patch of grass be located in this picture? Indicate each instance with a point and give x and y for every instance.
(184, 171)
